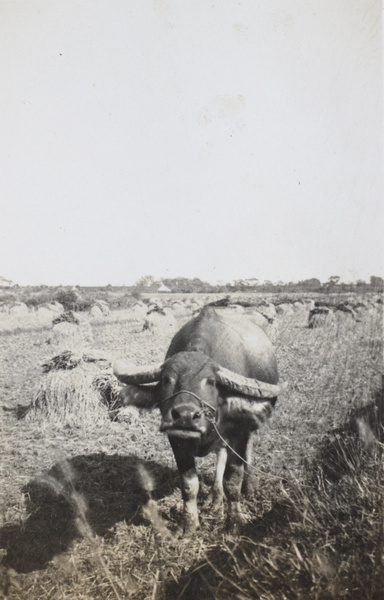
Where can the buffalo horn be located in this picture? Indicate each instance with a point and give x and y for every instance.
(246, 385)
(129, 373)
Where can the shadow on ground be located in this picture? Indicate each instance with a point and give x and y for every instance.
(111, 489)
(203, 580)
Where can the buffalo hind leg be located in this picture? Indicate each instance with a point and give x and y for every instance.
(247, 486)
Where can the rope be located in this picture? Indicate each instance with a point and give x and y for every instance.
(243, 459)
(212, 419)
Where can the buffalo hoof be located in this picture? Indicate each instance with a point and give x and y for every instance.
(217, 511)
(190, 524)
(247, 490)
(236, 519)
(186, 531)
(189, 520)
(215, 502)
(214, 513)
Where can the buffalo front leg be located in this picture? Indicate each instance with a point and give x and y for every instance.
(189, 483)
(216, 494)
(247, 487)
(233, 479)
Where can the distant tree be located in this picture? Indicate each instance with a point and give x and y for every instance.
(145, 282)
(377, 284)
(68, 298)
(136, 294)
(311, 285)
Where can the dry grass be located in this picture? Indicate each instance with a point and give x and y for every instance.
(33, 321)
(108, 388)
(100, 522)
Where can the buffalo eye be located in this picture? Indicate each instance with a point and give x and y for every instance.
(210, 381)
(167, 380)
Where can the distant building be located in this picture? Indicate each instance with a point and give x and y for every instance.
(164, 289)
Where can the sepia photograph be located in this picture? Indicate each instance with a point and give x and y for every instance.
(191, 300)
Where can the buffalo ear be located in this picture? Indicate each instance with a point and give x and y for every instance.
(142, 397)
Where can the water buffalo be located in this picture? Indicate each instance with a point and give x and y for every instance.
(218, 382)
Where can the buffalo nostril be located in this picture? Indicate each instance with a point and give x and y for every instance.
(175, 414)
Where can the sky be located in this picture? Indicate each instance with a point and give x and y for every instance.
(217, 139)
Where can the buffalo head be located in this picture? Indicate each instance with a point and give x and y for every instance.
(191, 389)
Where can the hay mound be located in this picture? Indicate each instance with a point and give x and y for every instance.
(95, 312)
(67, 393)
(71, 333)
(56, 307)
(159, 321)
(103, 306)
(43, 314)
(66, 335)
(19, 309)
(320, 316)
(344, 310)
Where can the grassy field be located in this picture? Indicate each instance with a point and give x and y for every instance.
(91, 510)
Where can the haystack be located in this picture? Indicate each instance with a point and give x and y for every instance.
(96, 312)
(66, 335)
(140, 308)
(55, 307)
(18, 309)
(103, 306)
(284, 308)
(320, 316)
(178, 308)
(71, 332)
(44, 315)
(299, 306)
(345, 312)
(159, 322)
(268, 310)
(70, 391)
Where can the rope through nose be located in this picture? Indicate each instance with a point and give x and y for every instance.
(196, 397)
